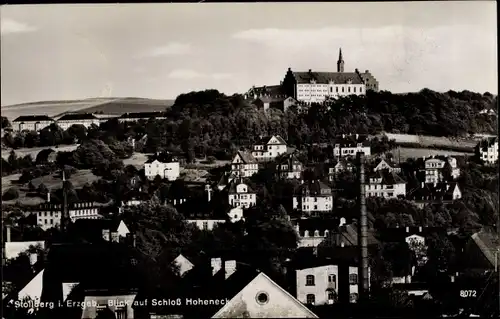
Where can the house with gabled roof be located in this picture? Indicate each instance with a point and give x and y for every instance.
(433, 167)
(240, 194)
(164, 165)
(487, 150)
(225, 179)
(183, 264)
(85, 119)
(385, 184)
(244, 164)
(382, 164)
(31, 123)
(289, 167)
(268, 148)
(339, 166)
(349, 145)
(281, 103)
(435, 193)
(483, 250)
(270, 91)
(313, 197)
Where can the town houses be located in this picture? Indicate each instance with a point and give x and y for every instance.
(244, 164)
(268, 148)
(162, 164)
(313, 197)
(487, 150)
(31, 123)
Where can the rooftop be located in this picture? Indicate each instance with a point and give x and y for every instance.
(78, 117)
(33, 118)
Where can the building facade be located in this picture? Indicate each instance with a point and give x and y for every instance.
(289, 167)
(487, 150)
(241, 195)
(434, 167)
(85, 119)
(350, 145)
(49, 215)
(163, 165)
(269, 148)
(385, 184)
(244, 165)
(313, 198)
(31, 123)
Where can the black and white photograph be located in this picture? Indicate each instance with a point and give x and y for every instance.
(250, 160)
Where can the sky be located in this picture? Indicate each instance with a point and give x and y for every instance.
(64, 52)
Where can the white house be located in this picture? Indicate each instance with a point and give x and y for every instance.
(319, 285)
(263, 298)
(49, 215)
(429, 193)
(487, 150)
(289, 167)
(163, 165)
(85, 119)
(269, 148)
(313, 197)
(206, 221)
(241, 195)
(350, 145)
(31, 123)
(385, 184)
(434, 166)
(236, 214)
(384, 165)
(244, 165)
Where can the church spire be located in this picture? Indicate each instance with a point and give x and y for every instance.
(340, 62)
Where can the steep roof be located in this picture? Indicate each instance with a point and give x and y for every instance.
(265, 140)
(314, 188)
(290, 159)
(91, 229)
(325, 77)
(246, 157)
(33, 118)
(388, 178)
(487, 142)
(161, 157)
(431, 191)
(231, 189)
(489, 243)
(78, 117)
(351, 140)
(271, 90)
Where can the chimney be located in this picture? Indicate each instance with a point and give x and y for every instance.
(420, 229)
(229, 267)
(407, 229)
(48, 196)
(363, 268)
(8, 233)
(310, 70)
(357, 136)
(343, 135)
(422, 185)
(447, 186)
(216, 264)
(342, 244)
(105, 234)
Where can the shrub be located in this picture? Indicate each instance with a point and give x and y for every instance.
(10, 194)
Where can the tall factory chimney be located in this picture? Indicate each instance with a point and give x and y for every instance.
(363, 233)
(64, 206)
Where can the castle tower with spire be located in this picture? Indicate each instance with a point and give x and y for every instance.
(340, 62)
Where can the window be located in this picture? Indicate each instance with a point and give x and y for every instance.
(331, 89)
(349, 89)
(342, 90)
(121, 313)
(330, 295)
(353, 298)
(309, 280)
(310, 299)
(315, 206)
(262, 298)
(205, 225)
(332, 278)
(353, 279)
(354, 89)
(337, 89)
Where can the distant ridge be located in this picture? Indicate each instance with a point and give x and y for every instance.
(112, 106)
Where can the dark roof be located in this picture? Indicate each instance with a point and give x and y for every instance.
(235, 182)
(398, 234)
(388, 178)
(201, 210)
(266, 99)
(225, 179)
(350, 140)
(103, 265)
(325, 77)
(269, 91)
(32, 118)
(313, 224)
(77, 117)
(90, 230)
(136, 195)
(290, 159)
(314, 188)
(489, 243)
(487, 142)
(431, 191)
(247, 157)
(162, 158)
(143, 115)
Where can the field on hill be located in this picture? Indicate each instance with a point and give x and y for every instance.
(53, 181)
(129, 105)
(408, 152)
(35, 150)
(50, 108)
(432, 141)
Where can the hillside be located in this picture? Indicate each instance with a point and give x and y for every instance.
(94, 105)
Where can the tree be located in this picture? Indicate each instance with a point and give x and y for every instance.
(5, 122)
(42, 189)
